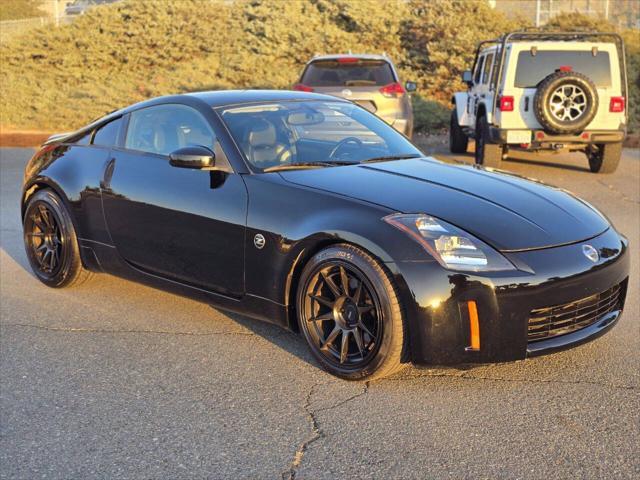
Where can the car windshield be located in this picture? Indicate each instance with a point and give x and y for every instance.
(533, 68)
(347, 72)
(307, 134)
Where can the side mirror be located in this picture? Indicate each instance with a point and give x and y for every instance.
(192, 157)
(467, 77)
(411, 86)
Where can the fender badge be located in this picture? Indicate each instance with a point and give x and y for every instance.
(591, 253)
(259, 241)
(347, 92)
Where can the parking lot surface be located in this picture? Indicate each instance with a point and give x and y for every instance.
(116, 380)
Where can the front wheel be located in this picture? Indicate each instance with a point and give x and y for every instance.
(604, 158)
(50, 241)
(458, 141)
(350, 314)
(486, 154)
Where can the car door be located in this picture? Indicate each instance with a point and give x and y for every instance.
(485, 92)
(183, 224)
(472, 105)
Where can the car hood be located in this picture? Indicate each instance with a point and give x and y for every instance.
(506, 211)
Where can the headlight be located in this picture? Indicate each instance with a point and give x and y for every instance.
(452, 247)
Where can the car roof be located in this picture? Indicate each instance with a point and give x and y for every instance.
(222, 98)
(362, 56)
(217, 98)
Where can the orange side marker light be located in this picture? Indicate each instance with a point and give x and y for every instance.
(474, 325)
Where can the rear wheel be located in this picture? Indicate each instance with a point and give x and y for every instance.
(605, 158)
(486, 154)
(50, 241)
(458, 141)
(350, 314)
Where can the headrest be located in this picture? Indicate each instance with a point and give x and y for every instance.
(262, 134)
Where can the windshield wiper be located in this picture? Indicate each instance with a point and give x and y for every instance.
(391, 157)
(294, 165)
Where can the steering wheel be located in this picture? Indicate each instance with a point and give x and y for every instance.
(344, 142)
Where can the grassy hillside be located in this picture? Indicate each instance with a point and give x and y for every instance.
(60, 78)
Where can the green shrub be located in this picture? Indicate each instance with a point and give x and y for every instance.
(429, 115)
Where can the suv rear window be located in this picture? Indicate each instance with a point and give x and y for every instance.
(534, 68)
(360, 73)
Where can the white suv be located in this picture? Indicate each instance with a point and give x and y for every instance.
(560, 91)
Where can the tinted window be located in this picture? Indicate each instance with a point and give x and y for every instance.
(476, 77)
(487, 68)
(166, 128)
(534, 68)
(332, 73)
(107, 135)
(281, 133)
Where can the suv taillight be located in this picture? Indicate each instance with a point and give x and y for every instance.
(302, 87)
(616, 104)
(392, 90)
(506, 103)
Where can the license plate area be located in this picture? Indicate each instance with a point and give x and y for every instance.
(519, 136)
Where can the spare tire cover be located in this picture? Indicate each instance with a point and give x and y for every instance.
(565, 102)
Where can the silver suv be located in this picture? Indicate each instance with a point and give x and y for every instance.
(371, 81)
(551, 91)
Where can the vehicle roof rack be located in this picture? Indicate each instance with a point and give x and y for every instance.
(529, 34)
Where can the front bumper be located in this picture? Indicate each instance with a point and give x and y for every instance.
(437, 300)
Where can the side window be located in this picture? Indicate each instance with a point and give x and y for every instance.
(165, 128)
(488, 63)
(107, 135)
(478, 72)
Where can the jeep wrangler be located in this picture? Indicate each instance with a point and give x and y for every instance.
(544, 91)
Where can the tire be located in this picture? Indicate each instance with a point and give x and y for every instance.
(605, 158)
(554, 94)
(51, 243)
(458, 141)
(328, 312)
(486, 154)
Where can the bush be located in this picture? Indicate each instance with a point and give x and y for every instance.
(429, 115)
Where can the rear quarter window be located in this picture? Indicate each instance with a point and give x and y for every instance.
(532, 69)
(107, 135)
(331, 73)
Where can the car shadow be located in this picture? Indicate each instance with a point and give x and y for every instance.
(291, 342)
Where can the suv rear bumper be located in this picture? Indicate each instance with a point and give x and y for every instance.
(542, 139)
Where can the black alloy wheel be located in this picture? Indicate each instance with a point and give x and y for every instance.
(50, 241)
(348, 317)
(44, 238)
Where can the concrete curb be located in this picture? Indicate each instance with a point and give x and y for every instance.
(23, 138)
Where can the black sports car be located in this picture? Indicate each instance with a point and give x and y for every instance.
(310, 212)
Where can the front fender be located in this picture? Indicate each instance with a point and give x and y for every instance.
(295, 231)
(460, 100)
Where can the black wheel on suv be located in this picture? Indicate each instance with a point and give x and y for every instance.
(487, 154)
(458, 141)
(565, 102)
(350, 314)
(604, 158)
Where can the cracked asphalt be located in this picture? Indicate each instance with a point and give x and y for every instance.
(116, 380)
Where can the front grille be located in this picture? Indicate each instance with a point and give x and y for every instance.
(561, 319)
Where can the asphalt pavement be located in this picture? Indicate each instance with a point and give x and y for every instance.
(117, 380)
